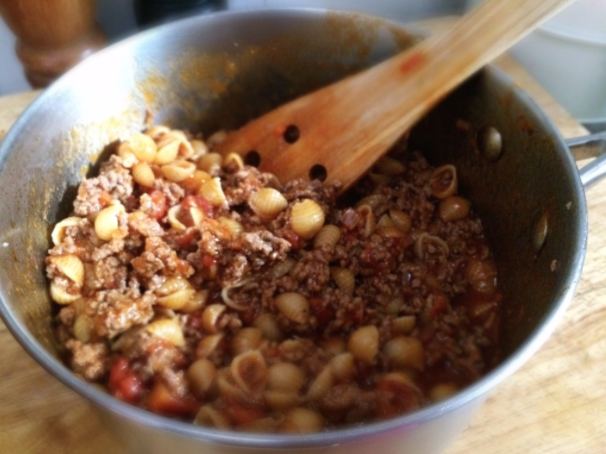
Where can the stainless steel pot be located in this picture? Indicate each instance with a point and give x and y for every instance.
(220, 70)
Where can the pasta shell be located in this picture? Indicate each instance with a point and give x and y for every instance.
(83, 327)
(233, 160)
(234, 228)
(60, 295)
(293, 306)
(442, 391)
(196, 215)
(267, 203)
(373, 201)
(402, 352)
(209, 417)
(194, 182)
(210, 162)
(137, 148)
(307, 218)
(443, 181)
(209, 345)
(389, 232)
(249, 370)
(328, 235)
(394, 306)
(186, 150)
(216, 138)
(300, 420)
(321, 385)
(177, 300)
(401, 220)
(228, 388)
(389, 166)
(268, 325)
(248, 338)
(404, 324)
(368, 218)
(59, 230)
(143, 174)
(399, 379)
(286, 377)
(385, 221)
(211, 317)
(173, 218)
(106, 222)
(167, 329)
(168, 150)
(156, 132)
(70, 266)
(364, 344)
(172, 285)
(199, 148)
(334, 345)
(281, 400)
(430, 244)
(265, 425)
(343, 366)
(178, 170)
(212, 191)
(281, 268)
(379, 178)
(344, 278)
(201, 377)
(196, 302)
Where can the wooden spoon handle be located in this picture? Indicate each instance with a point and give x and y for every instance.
(347, 126)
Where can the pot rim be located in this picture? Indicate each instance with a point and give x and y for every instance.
(477, 391)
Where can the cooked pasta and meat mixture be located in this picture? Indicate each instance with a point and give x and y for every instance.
(200, 288)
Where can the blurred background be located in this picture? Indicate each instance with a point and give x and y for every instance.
(567, 55)
(120, 18)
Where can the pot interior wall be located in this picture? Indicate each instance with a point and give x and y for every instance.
(532, 187)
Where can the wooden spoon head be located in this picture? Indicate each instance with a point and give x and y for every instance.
(342, 129)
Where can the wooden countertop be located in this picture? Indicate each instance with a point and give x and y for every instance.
(555, 404)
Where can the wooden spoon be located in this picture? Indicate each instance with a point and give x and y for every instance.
(341, 130)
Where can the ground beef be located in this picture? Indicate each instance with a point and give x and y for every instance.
(158, 257)
(114, 180)
(90, 360)
(116, 311)
(196, 299)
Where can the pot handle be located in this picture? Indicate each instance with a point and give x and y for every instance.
(590, 146)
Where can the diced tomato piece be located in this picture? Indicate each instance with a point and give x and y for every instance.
(105, 198)
(163, 402)
(439, 304)
(124, 383)
(191, 201)
(322, 314)
(186, 239)
(208, 260)
(159, 205)
(427, 333)
(295, 240)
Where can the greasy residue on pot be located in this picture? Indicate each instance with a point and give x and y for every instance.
(208, 90)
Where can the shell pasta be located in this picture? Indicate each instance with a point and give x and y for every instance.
(197, 287)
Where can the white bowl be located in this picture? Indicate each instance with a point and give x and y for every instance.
(567, 55)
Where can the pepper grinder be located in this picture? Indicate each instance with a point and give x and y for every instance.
(52, 35)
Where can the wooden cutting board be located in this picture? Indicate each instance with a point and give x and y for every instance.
(555, 404)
